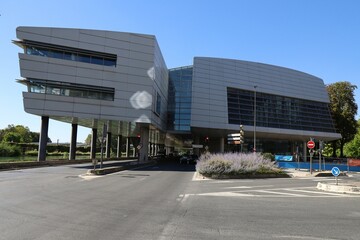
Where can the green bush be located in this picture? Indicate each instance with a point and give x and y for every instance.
(7, 150)
(235, 164)
(32, 153)
(269, 156)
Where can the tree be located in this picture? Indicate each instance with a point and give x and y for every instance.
(18, 134)
(352, 148)
(343, 109)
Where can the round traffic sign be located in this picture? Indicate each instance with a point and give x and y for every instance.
(335, 171)
(310, 144)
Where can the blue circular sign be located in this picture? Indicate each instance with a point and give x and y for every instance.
(335, 171)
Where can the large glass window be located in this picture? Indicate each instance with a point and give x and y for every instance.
(158, 104)
(67, 53)
(70, 89)
(179, 106)
(278, 111)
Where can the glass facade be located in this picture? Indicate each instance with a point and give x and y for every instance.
(278, 111)
(69, 89)
(179, 105)
(72, 54)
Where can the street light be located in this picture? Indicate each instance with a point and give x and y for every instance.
(254, 118)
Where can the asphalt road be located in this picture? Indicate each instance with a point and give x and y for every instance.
(168, 202)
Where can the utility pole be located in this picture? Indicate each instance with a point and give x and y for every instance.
(255, 119)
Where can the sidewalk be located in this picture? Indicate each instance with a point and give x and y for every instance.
(348, 182)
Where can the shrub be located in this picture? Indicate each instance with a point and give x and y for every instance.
(235, 164)
(269, 156)
(7, 150)
(32, 153)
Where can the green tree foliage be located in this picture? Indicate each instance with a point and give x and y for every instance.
(343, 109)
(352, 148)
(18, 134)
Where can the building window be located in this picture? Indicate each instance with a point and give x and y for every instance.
(278, 111)
(69, 89)
(158, 104)
(67, 53)
(179, 99)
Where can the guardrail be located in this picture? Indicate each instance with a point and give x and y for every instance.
(349, 165)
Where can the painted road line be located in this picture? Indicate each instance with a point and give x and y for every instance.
(280, 193)
(226, 194)
(249, 187)
(316, 192)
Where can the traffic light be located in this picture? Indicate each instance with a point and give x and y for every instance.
(241, 134)
(206, 139)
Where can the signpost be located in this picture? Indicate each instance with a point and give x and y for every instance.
(311, 145)
(336, 172)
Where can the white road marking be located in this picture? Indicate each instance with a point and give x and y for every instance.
(303, 237)
(316, 192)
(281, 193)
(226, 194)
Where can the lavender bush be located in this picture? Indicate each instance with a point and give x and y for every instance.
(232, 164)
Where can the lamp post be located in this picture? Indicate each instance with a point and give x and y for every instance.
(254, 118)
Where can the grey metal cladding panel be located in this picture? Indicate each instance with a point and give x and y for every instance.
(32, 36)
(96, 40)
(62, 69)
(30, 103)
(121, 36)
(143, 40)
(25, 73)
(33, 65)
(85, 72)
(65, 33)
(61, 106)
(91, 47)
(86, 108)
(136, 63)
(65, 42)
(141, 56)
(89, 81)
(61, 77)
(99, 33)
(142, 48)
(140, 80)
(117, 44)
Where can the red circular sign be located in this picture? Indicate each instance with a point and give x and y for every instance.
(311, 144)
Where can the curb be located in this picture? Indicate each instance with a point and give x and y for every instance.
(109, 170)
(342, 188)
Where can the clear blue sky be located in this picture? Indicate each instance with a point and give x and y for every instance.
(319, 37)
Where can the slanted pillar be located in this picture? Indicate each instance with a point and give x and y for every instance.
(128, 147)
(93, 143)
(119, 144)
(43, 138)
(144, 141)
(72, 154)
(305, 152)
(222, 145)
(108, 144)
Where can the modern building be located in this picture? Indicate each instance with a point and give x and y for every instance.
(119, 82)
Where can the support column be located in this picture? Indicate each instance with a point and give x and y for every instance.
(43, 138)
(108, 144)
(197, 150)
(118, 147)
(143, 153)
(72, 154)
(222, 145)
(93, 143)
(305, 152)
(127, 147)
